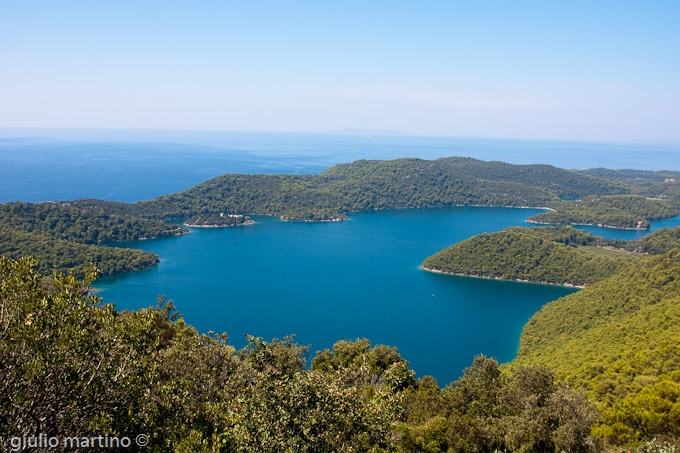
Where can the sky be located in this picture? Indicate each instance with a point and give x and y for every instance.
(566, 70)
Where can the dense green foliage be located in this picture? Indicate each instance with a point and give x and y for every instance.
(656, 243)
(366, 185)
(618, 211)
(655, 184)
(355, 355)
(63, 237)
(618, 339)
(58, 255)
(293, 197)
(542, 255)
(638, 178)
(89, 226)
(487, 410)
(73, 366)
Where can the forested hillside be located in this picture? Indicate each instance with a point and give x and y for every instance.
(88, 226)
(655, 184)
(618, 339)
(59, 255)
(656, 243)
(366, 185)
(62, 237)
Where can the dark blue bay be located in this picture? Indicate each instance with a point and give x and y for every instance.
(330, 281)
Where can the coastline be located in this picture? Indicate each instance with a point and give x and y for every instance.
(460, 274)
(334, 219)
(588, 224)
(346, 218)
(455, 206)
(179, 233)
(247, 222)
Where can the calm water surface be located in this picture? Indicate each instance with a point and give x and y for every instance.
(343, 280)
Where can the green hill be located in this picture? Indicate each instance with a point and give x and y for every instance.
(656, 243)
(371, 184)
(85, 225)
(59, 255)
(618, 339)
(541, 255)
(64, 238)
(655, 184)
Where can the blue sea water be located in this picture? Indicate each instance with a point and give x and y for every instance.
(321, 281)
(326, 282)
(132, 165)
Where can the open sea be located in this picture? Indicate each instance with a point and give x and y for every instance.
(322, 282)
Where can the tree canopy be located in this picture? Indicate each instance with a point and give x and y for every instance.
(64, 238)
(541, 255)
(619, 340)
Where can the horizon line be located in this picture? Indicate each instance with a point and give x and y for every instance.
(345, 131)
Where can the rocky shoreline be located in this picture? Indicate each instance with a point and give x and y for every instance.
(244, 223)
(460, 274)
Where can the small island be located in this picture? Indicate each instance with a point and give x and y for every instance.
(220, 220)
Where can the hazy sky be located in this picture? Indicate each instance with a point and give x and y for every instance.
(591, 70)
